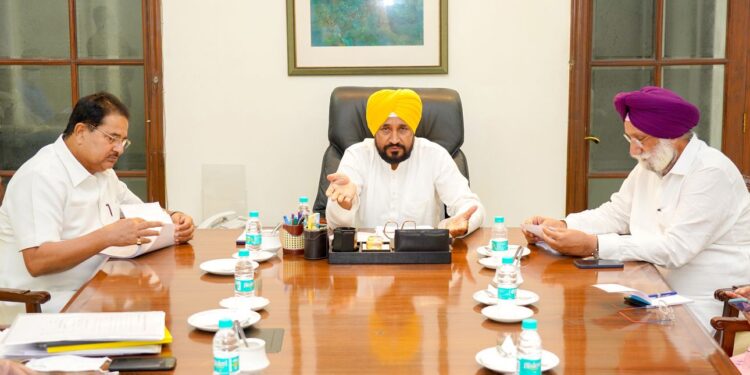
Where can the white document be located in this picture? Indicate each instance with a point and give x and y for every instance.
(115, 326)
(67, 363)
(149, 212)
(535, 229)
(669, 298)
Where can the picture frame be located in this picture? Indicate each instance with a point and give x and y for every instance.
(366, 37)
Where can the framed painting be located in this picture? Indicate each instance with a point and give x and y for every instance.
(367, 37)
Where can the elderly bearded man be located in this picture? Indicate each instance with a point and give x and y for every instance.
(397, 177)
(684, 207)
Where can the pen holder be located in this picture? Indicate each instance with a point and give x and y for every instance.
(316, 243)
(292, 240)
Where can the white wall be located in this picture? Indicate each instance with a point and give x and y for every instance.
(228, 100)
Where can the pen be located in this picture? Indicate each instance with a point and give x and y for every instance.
(110, 209)
(286, 220)
(664, 294)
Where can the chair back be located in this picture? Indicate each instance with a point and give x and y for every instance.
(442, 122)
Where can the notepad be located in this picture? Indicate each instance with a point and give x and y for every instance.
(670, 298)
(149, 212)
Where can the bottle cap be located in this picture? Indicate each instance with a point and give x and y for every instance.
(499, 219)
(225, 323)
(528, 324)
(303, 199)
(254, 214)
(508, 260)
(244, 253)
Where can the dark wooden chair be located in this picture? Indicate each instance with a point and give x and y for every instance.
(32, 299)
(747, 182)
(729, 323)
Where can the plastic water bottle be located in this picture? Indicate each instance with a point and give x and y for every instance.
(529, 349)
(244, 276)
(226, 357)
(506, 278)
(253, 232)
(499, 235)
(304, 207)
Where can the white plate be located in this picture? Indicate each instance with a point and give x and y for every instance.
(269, 243)
(492, 263)
(253, 303)
(222, 266)
(258, 256)
(488, 252)
(209, 320)
(507, 313)
(492, 360)
(523, 297)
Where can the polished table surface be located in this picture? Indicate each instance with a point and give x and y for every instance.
(411, 319)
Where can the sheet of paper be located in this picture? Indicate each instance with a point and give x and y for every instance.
(533, 228)
(67, 363)
(148, 212)
(615, 288)
(117, 326)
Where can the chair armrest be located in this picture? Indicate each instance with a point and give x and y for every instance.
(32, 299)
(726, 329)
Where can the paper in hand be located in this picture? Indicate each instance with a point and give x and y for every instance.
(149, 212)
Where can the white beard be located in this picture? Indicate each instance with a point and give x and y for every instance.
(659, 158)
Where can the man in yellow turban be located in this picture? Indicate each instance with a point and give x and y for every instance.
(397, 176)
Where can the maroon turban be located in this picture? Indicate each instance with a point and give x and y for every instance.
(657, 112)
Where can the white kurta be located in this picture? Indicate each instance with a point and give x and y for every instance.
(693, 223)
(52, 197)
(416, 190)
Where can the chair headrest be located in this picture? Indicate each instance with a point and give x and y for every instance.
(442, 117)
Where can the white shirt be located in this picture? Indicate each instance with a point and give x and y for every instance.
(693, 223)
(415, 191)
(52, 197)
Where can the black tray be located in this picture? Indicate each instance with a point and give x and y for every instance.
(389, 257)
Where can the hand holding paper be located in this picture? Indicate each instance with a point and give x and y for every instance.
(159, 237)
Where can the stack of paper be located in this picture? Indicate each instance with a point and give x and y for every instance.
(36, 335)
(148, 212)
(669, 298)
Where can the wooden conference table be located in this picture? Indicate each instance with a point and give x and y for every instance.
(349, 319)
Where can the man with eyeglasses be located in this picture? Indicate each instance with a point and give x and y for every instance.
(62, 206)
(684, 207)
(396, 176)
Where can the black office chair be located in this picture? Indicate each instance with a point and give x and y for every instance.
(442, 122)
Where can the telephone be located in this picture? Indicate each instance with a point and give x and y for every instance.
(223, 220)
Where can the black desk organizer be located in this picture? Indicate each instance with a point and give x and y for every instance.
(389, 257)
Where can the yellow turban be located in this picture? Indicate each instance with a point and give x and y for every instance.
(403, 103)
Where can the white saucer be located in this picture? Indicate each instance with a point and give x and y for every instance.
(209, 320)
(523, 297)
(491, 359)
(507, 313)
(222, 266)
(488, 252)
(491, 262)
(258, 256)
(253, 303)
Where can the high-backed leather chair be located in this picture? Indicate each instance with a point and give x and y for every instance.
(442, 122)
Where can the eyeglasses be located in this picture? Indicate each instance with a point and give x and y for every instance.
(638, 142)
(115, 140)
(402, 131)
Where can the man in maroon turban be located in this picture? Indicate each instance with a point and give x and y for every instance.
(684, 207)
